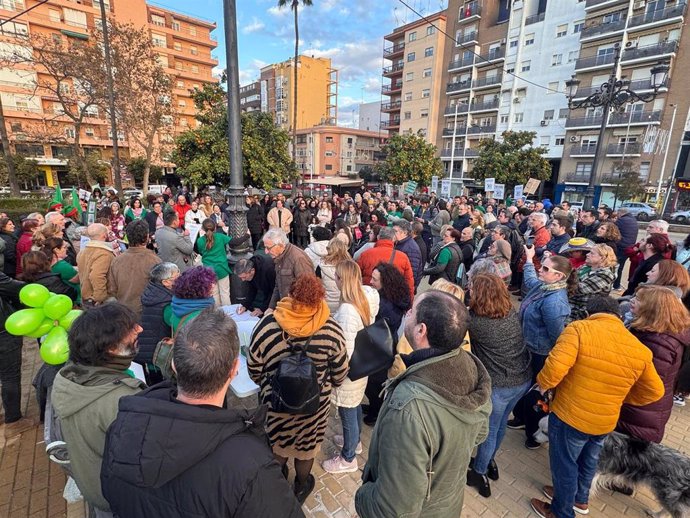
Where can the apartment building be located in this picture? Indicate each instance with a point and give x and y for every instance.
(416, 52)
(370, 116)
(250, 97)
(647, 32)
(36, 125)
(332, 151)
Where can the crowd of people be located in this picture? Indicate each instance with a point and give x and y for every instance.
(501, 317)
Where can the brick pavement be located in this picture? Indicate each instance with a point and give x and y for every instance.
(31, 486)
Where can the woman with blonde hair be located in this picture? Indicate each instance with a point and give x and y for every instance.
(45, 232)
(662, 323)
(358, 307)
(497, 341)
(336, 251)
(477, 226)
(595, 278)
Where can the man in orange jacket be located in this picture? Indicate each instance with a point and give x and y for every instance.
(595, 367)
(384, 252)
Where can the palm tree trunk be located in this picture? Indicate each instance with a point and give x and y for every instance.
(295, 5)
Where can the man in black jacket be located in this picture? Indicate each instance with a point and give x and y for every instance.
(260, 272)
(175, 451)
(255, 220)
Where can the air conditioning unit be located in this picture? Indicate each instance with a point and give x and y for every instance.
(517, 100)
(544, 123)
(632, 44)
(575, 138)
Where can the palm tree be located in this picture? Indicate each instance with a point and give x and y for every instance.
(294, 4)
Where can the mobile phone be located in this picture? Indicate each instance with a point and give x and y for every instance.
(529, 241)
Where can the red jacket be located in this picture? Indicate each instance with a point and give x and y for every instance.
(541, 238)
(182, 211)
(382, 253)
(23, 246)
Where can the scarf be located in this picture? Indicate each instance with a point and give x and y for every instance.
(299, 320)
(119, 363)
(182, 307)
(529, 299)
(560, 285)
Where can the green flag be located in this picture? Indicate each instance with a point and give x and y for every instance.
(75, 200)
(57, 197)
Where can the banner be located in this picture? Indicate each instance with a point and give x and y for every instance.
(91, 212)
(532, 186)
(489, 184)
(410, 187)
(194, 229)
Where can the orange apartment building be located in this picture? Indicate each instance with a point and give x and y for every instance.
(184, 45)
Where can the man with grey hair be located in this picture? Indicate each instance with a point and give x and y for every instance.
(38, 217)
(405, 243)
(538, 237)
(223, 463)
(290, 263)
(260, 272)
(384, 252)
(94, 262)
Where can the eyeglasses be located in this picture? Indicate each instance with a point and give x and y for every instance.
(546, 269)
(268, 248)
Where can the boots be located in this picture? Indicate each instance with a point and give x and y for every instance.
(481, 482)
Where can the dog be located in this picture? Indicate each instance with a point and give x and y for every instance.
(629, 462)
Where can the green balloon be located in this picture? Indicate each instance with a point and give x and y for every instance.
(43, 329)
(57, 306)
(67, 321)
(34, 295)
(24, 321)
(55, 348)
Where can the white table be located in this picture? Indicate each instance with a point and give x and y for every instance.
(243, 386)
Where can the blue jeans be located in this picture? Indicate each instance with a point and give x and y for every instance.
(351, 419)
(503, 400)
(573, 457)
(621, 265)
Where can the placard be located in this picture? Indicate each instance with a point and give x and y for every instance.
(91, 212)
(532, 186)
(517, 192)
(434, 183)
(489, 184)
(194, 229)
(445, 188)
(84, 195)
(499, 191)
(410, 187)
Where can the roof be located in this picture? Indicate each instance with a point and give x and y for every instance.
(335, 181)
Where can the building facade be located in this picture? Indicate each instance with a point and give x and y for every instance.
(36, 124)
(370, 116)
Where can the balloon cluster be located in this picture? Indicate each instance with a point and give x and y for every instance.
(50, 315)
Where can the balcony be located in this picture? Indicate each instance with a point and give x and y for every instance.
(470, 11)
(658, 17)
(594, 62)
(391, 89)
(577, 177)
(393, 69)
(585, 150)
(391, 107)
(466, 39)
(635, 118)
(630, 149)
(485, 106)
(592, 5)
(398, 48)
(664, 48)
(460, 153)
(493, 55)
(460, 108)
(479, 130)
(461, 63)
(389, 124)
(535, 18)
(592, 121)
(458, 86)
(602, 30)
(487, 81)
(459, 131)
(640, 86)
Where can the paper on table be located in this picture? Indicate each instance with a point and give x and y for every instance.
(243, 317)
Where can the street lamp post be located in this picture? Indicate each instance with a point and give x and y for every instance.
(236, 206)
(612, 95)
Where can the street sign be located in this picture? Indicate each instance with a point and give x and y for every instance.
(445, 188)
(489, 184)
(410, 187)
(517, 192)
(532, 186)
(499, 191)
(434, 183)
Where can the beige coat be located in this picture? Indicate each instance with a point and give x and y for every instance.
(93, 262)
(285, 220)
(129, 276)
(289, 265)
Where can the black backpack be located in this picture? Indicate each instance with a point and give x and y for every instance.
(295, 387)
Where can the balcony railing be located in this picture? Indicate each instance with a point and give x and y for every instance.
(487, 81)
(470, 10)
(603, 28)
(535, 18)
(460, 63)
(644, 117)
(585, 150)
(459, 107)
(593, 3)
(459, 86)
(395, 105)
(578, 122)
(460, 153)
(459, 131)
(488, 105)
(395, 49)
(478, 130)
(632, 148)
(636, 86)
(493, 54)
(658, 15)
(388, 89)
(393, 68)
(466, 38)
(594, 61)
(650, 51)
(577, 177)
(393, 123)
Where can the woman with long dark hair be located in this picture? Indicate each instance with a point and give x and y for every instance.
(25, 241)
(10, 254)
(135, 210)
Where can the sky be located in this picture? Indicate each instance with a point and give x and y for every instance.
(349, 32)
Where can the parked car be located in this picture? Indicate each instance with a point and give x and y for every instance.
(131, 193)
(681, 216)
(5, 191)
(641, 211)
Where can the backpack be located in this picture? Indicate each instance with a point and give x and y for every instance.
(162, 354)
(295, 387)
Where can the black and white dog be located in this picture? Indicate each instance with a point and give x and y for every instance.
(628, 462)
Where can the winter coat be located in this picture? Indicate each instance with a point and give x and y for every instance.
(289, 265)
(543, 313)
(85, 399)
(445, 263)
(641, 272)
(422, 249)
(393, 311)
(166, 458)
(595, 367)
(542, 236)
(628, 226)
(414, 254)
(433, 415)
(10, 253)
(24, 244)
(173, 247)
(302, 220)
(597, 282)
(54, 283)
(441, 219)
(588, 231)
(351, 393)
(255, 218)
(181, 211)
(383, 253)
(324, 217)
(283, 222)
(154, 300)
(461, 222)
(554, 246)
(129, 274)
(152, 219)
(9, 297)
(326, 272)
(316, 251)
(264, 282)
(94, 262)
(649, 422)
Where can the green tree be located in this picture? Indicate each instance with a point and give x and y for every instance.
(87, 169)
(409, 157)
(25, 170)
(626, 181)
(137, 166)
(513, 160)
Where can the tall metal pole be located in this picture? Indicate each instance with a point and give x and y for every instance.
(111, 100)
(236, 206)
(663, 164)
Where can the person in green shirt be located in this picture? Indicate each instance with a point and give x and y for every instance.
(213, 249)
(135, 211)
(56, 249)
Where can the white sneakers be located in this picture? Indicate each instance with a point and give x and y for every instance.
(339, 465)
(339, 441)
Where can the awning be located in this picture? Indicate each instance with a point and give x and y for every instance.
(73, 34)
(335, 181)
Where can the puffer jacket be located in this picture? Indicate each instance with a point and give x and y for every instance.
(628, 226)
(433, 415)
(414, 254)
(649, 422)
(595, 367)
(316, 251)
(351, 393)
(327, 274)
(154, 300)
(543, 313)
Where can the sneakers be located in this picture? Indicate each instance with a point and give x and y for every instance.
(679, 400)
(481, 482)
(339, 465)
(531, 444)
(339, 441)
(578, 508)
(515, 424)
(542, 509)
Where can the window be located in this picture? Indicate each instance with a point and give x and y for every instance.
(176, 26)
(162, 60)
(529, 39)
(408, 96)
(193, 50)
(54, 15)
(504, 118)
(518, 117)
(556, 59)
(182, 103)
(526, 66)
(69, 133)
(612, 17)
(563, 113)
(559, 141)
(562, 30)
(407, 116)
(329, 153)
(544, 141)
(180, 84)
(583, 169)
(195, 69)
(63, 88)
(424, 113)
(328, 167)
(513, 43)
(578, 26)
(178, 66)
(425, 93)
(428, 52)
(349, 168)
(410, 57)
(89, 132)
(158, 40)
(183, 122)
(177, 47)
(409, 76)
(329, 140)
(412, 36)
(192, 31)
(75, 18)
(548, 115)
(510, 68)
(644, 170)
(553, 87)
(427, 72)
(158, 20)
(573, 55)
(430, 30)
(14, 29)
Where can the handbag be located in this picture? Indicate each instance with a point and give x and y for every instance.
(374, 350)
(162, 354)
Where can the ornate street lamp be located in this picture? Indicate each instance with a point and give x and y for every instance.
(612, 95)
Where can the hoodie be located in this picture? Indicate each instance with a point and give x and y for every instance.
(85, 399)
(167, 458)
(154, 300)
